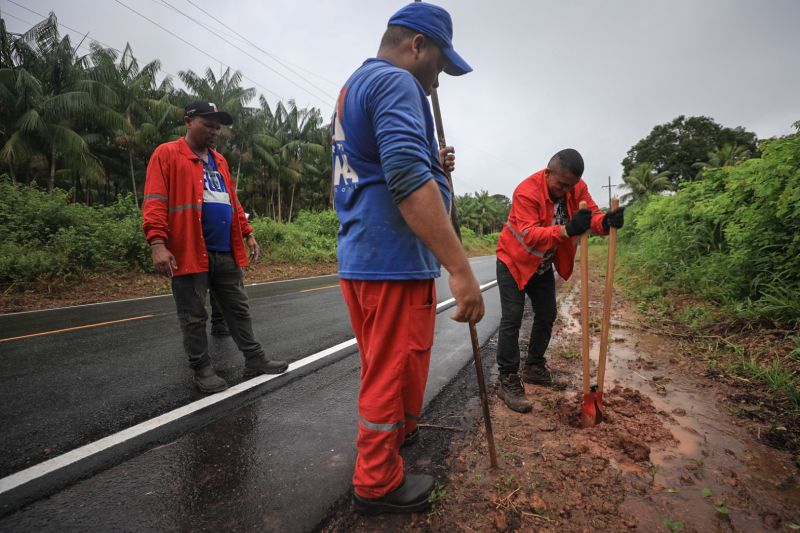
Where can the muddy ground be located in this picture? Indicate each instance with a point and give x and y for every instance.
(671, 455)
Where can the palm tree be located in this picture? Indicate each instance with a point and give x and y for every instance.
(643, 181)
(51, 99)
(727, 155)
(137, 100)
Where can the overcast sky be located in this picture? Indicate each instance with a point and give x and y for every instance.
(591, 75)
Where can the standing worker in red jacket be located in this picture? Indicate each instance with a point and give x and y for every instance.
(543, 229)
(196, 229)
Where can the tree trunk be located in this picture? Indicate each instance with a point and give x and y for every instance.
(291, 204)
(133, 178)
(13, 174)
(279, 200)
(269, 206)
(51, 182)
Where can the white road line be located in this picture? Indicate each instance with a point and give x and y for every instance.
(477, 260)
(22, 477)
(168, 295)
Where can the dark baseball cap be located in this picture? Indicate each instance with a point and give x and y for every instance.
(201, 108)
(434, 22)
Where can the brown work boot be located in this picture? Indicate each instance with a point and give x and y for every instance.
(541, 375)
(208, 381)
(261, 365)
(511, 391)
(537, 375)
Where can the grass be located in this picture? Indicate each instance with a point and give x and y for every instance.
(778, 379)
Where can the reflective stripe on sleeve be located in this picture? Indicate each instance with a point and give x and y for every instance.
(154, 197)
(522, 242)
(185, 206)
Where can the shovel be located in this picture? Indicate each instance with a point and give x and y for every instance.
(593, 411)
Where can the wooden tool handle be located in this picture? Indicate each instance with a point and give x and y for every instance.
(487, 420)
(604, 330)
(585, 305)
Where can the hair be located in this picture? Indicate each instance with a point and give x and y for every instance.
(394, 35)
(567, 160)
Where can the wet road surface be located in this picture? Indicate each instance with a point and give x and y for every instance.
(276, 464)
(105, 378)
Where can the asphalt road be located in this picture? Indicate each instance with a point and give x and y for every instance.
(276, 464)
(73, 375)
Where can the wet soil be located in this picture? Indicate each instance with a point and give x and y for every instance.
(105, 287)
(669, 456)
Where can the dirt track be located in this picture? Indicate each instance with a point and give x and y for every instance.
(671, 456)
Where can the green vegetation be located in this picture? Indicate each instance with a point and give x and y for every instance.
(717, 263)
(483, 213)
(82, 128)
(88, 124)
(732, 236)
(44, 236)
(677, 147)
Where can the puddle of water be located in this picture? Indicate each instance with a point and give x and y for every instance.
(756, 483)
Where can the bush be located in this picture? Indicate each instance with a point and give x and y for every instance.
(733, 236)
(44, 234)
(311, 238)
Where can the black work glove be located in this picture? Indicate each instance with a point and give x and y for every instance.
(579, 223)
(614, 219)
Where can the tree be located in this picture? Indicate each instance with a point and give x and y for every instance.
(51, 98)
(136, 91)
(481, 211)
(676, 146)
(644, 181)
(724, 156)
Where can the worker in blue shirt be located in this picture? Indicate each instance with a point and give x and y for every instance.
(392, 198)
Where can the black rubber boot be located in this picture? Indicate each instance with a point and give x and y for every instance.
(410, 497)
(411, 438)
(511, 391)
(208, 381)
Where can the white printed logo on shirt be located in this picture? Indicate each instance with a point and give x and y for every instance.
(214, 188)
(344, 177)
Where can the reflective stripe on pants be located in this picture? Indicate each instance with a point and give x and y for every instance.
(393, 322)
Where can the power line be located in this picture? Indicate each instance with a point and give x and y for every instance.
(63, 26)
(31, 24)
(195, 47)
(272, 56)
(213, 31)
(168, 31)
(80, 33)
(7, 14)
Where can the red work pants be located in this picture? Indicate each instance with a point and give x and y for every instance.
(393, 322)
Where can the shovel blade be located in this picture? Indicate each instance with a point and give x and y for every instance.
(593, 411)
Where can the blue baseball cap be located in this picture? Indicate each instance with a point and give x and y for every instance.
(434, 22)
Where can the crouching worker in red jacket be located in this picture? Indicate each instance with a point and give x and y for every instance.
(543, 230)
(196, 230)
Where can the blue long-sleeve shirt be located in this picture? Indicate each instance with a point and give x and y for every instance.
(384, 148)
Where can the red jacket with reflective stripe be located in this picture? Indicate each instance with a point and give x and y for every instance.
(529, 232)
(173, 206)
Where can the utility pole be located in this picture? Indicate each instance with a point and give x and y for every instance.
(609, 187)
